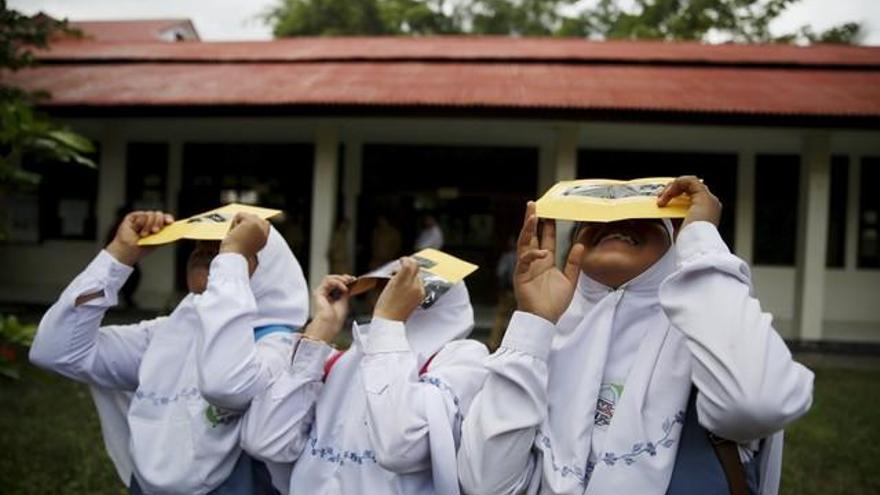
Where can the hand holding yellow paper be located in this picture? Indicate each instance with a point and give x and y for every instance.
(210, 225)
(439, 271)
(606, 200)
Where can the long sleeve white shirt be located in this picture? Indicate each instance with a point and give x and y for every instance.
(398, 396)
(748, 386)
(71, 341)
(368, 429)
(233, 367)
(276, 426)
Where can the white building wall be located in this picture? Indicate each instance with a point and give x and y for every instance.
(36, 273)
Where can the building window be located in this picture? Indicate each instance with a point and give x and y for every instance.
(869, 211)
(718, 171)
(835, 256)
(66, 198)
(146, 176)
(274, 175)
(777, 184)
(477, 194)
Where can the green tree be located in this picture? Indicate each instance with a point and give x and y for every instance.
(23, 130)
(744, 21)
(360, 17)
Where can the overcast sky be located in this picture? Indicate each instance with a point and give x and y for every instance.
(240, 19)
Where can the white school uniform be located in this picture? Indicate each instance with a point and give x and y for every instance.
(376, 425)
(596, 403)
(177, 440)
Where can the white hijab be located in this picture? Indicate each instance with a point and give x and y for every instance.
(171, 446)
(640, 445)
(341, 414)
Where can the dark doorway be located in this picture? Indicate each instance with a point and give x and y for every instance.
(477, 194)
(274, 175)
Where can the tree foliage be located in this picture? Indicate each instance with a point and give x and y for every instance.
(745, 21)
(24, 131)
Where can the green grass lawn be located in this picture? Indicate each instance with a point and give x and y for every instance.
(51, 443)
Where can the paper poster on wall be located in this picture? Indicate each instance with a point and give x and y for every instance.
(210, 225)
(73, 214)
(439, 271)
(606, 200)
(22, 218)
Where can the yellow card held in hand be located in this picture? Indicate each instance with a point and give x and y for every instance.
(606, 200)
(211, 225)
(439, 272)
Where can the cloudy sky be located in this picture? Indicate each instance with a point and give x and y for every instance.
(240, 19)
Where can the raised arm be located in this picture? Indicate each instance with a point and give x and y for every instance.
(237, 362)
(233, 367)
(398, 397)
(70, 340)
(499, 430)
(277, 424)
(749, 386)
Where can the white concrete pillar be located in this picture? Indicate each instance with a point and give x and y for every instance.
(323, 200)
(566, 151)
(853, 196)
(352, 190)
(111, 180)
(812, 239)
(745, 206)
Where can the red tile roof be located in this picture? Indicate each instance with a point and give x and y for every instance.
(473, 74)
(132, 30)
(469, 48)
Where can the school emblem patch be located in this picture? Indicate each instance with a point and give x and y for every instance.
(608, 396)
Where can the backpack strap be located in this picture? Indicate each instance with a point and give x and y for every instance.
(727, 452)
(424, 368)
(328, 365)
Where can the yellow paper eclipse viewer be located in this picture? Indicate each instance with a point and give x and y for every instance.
(208, 226)
(606, 200)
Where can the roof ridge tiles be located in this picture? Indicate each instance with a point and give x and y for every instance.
(487, 50)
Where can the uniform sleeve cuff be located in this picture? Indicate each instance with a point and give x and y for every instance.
(530, 334)
(699, 238)
(107, 273)
(229, 266)
(309, 357)
(385, 336)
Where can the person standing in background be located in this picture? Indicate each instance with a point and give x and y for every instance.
(431, 236)
(506, 299)
(386, 242)
(338, 255)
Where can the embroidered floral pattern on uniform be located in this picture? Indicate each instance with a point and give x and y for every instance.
(610, 458)
(341, 457)
(650, 448)
(161, 400)
(446, 388)
(582, 475)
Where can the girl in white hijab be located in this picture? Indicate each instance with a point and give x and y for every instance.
(164, 434)
(590, 390)
(382, 417)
